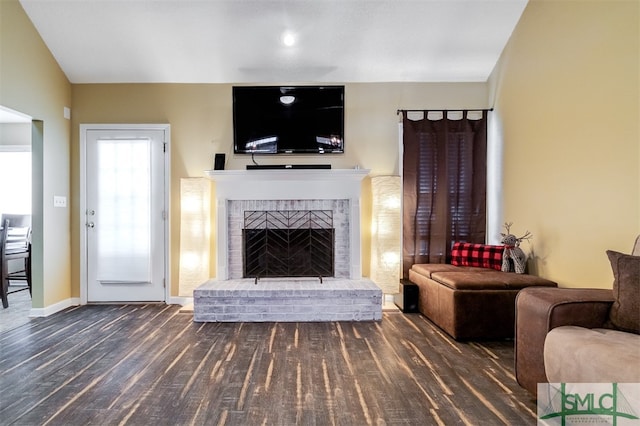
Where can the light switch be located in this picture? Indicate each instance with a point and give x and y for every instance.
(59, 201)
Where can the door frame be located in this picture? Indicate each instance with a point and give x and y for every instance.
(166, 128)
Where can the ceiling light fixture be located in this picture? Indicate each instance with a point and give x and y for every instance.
(288, 39)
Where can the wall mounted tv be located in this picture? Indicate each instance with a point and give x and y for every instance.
(288, 119)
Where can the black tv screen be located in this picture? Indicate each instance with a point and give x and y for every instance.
(288, 119)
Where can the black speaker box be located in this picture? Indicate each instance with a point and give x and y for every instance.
(407, 299)
(287, 166)
(218, 162)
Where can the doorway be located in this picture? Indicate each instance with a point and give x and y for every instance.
(16, 198)
(124, 203)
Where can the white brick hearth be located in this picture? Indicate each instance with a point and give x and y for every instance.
(287, 300)
(345, 297)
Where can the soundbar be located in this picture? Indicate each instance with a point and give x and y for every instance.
(287, 166)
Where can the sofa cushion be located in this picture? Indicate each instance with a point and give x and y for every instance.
(427, 269)
(576, 354)
(489, 280)
(477, 255)
(625, 311)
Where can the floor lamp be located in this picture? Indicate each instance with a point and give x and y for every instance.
(195, 225)
(386, 224)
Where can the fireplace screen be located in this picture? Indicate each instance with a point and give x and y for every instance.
(290, 243)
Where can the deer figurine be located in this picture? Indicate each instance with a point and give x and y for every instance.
(513, 257)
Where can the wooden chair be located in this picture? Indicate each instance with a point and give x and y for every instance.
(15, 243)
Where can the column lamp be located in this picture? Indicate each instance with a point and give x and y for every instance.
(195, 224)
(386, 232)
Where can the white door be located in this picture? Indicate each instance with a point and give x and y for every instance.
(125, 211)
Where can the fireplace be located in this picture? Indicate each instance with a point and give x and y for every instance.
(290, 243)
(290, 207)
(334, 190)
(290, 221)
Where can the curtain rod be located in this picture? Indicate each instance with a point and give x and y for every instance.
(398, 111)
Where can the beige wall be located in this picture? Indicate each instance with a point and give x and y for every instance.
(566, 93)
(31, 82)
(566, 98)
(200, 116)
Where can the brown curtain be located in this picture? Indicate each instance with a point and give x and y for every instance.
(444, 185)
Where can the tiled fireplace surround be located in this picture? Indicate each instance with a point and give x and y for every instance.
(346, 296)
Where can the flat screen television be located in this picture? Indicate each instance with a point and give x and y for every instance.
(288, 119)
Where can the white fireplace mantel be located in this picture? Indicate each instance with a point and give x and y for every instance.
(287, 184)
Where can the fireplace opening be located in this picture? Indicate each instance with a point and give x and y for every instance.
(290, 243)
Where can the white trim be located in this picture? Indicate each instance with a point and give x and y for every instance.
(401, 174)
(167, 212)
(15, 148)
(11, 116)
(495, 149)
(166, 128)
(82, 210)
(251, 178)
(52, 309)
(179, 300)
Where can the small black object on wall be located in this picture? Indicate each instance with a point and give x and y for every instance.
(287, 166)
(218, 162)
(407, 299)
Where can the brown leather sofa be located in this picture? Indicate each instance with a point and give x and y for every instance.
(581, 335)
(470, 302)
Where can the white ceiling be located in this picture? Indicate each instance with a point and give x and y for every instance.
(240, 41)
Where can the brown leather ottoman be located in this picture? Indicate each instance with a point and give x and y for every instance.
(471, 303)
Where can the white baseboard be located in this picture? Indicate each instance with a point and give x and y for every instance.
(180, 300)
(75, 301)
(52, 309)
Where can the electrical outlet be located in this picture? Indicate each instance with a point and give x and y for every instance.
(59, 201)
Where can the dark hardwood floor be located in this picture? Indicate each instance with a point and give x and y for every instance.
(152, 365)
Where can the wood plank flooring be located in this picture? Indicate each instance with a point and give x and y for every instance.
(151, 364)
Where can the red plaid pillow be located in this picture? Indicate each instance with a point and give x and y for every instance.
(480, 255)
